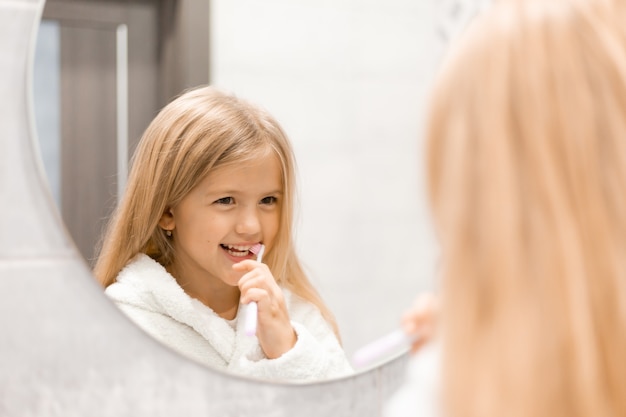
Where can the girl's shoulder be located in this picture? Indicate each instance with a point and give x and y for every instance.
(141, 265)
(146, 284)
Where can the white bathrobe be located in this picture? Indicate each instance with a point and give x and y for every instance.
(152, 298)
(419, 394)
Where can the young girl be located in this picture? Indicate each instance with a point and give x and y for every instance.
(212, 177)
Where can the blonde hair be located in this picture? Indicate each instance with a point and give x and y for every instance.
(201, 130)
(526, 155)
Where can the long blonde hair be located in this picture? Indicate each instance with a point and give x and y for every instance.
(201, 130)
(526, 155)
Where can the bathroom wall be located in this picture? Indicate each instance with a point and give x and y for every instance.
(348, 79)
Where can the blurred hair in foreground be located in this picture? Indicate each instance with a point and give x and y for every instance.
(526, 155)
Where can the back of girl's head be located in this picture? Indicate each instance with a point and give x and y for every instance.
(200, 130)
(527, 164)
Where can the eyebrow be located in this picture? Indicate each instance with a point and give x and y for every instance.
(229, 192)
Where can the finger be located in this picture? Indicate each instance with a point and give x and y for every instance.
(255, 282)
(412, 331)
(271, 305)
(420, 337)
(250, 276)
(412, 321)
(417, 345)
(260, 296)
(248, 265)
(259, 278)
(419, 321)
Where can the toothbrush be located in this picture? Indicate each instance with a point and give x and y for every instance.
(382, 346)
(252, 310)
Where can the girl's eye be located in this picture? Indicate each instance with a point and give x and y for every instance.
(225, 200)
(269, 200)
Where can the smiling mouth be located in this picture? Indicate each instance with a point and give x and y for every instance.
(236, 250)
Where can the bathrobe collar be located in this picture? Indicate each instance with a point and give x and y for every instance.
(150, 287)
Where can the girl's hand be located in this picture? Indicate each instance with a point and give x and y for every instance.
(419, 322)
(274, 331)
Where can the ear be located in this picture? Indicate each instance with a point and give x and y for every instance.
(167, 220)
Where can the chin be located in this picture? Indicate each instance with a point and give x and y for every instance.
(232, 280)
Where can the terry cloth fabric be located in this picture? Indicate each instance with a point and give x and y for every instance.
(152, 298)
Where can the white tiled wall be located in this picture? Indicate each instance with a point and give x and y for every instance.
(348, 80)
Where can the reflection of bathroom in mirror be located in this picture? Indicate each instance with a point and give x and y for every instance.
(347, 80)
(102, 70)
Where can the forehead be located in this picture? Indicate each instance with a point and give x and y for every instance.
(264, 174)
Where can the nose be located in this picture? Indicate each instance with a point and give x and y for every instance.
(248, 222)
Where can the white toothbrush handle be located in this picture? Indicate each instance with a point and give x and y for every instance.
(251, 318)
(259, 257)
(253, 309)
(380, 347)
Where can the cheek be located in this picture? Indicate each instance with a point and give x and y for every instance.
(203, 227)
(215, 227)
(271, 226)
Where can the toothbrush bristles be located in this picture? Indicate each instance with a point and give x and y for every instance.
(258, 250)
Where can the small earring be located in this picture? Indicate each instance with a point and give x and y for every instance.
(168, 233)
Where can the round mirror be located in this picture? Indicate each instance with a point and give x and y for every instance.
(348, 82)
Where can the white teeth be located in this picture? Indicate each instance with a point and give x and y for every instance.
(239, 248)
(238, 254)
